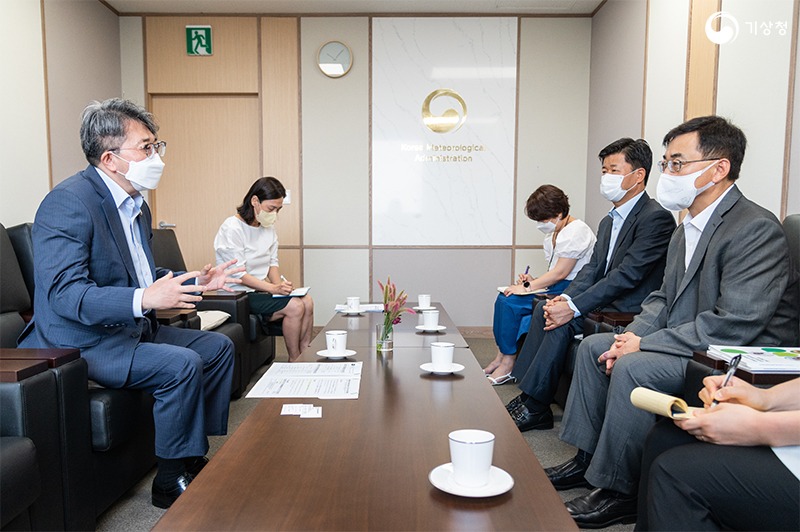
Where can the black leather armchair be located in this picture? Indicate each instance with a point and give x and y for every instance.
(31, 487)
(258, 348)
(105, 438)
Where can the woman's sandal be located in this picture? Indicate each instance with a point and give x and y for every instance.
(503, 379)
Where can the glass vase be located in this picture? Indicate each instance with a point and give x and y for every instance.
(384, 337)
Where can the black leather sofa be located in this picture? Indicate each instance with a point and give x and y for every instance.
(105, 437)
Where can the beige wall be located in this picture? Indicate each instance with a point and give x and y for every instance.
(582, 83)
(83, 64)
(24, 174)
(616, 88)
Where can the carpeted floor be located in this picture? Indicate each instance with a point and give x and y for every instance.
(134, 512)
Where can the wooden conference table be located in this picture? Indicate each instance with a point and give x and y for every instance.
(364, 465)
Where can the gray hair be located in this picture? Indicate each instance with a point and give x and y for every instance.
(104, 125)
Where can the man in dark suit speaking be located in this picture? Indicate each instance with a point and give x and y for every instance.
(97, 290)
(627, 264)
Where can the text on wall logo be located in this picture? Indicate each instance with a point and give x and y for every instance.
(728, 28)
(451, 119)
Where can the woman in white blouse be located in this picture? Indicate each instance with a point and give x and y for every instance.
(568, 246)
(251, 239)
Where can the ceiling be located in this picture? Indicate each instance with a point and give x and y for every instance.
(484, 7)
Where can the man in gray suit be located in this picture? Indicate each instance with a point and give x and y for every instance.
(627, 264)
(727, 281)
(97, 290)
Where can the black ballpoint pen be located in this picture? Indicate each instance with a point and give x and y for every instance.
(732, 365)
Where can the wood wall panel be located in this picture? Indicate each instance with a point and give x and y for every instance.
(280, 103)
(233, 67)
(290, 265)
(211, 161)
(701, 69)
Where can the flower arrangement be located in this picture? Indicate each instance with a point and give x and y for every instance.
(392, 308)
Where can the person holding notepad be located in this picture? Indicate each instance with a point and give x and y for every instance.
(251, 239)
(734, 465)
(568, 245)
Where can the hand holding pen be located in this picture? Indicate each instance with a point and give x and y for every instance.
(524, 278)
(732, 365)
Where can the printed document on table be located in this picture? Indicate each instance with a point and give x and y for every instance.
(322, 380)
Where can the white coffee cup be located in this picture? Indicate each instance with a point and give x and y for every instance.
(354, 304)
(471, 453)
(336, 342)
(442, 356)
(424, 300)
(430, 319)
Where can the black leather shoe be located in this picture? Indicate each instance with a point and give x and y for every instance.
(514, 403)
(164, 496)
(568, 475)
(601, 508)
(527, 420)
(195, 464)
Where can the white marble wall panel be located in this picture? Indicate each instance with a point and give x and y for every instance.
(451, 188)
(665, 84)
(334, 275)
(752, 91)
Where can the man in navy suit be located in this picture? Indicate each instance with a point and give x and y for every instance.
(97, 290)
(627, 264)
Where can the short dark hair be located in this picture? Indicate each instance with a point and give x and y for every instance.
(265, 188)
(637, 154)
(547, 202)
(717, 138)
(104, 125)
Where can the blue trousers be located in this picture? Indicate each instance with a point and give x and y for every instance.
(189, 373)
(512, 317)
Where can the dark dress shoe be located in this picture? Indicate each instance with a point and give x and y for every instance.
(195, 464)
(514, 403)
(527, 420)
(601, 508)
(568, 475)
(164, 496)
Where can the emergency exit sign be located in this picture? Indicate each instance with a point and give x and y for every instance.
(198, 40)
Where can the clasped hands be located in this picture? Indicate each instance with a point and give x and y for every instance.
(557, 312)
(623, 344)
(170, 292)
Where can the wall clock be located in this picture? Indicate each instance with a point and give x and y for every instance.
(335, 59)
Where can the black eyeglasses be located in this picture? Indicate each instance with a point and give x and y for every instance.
(675, 165)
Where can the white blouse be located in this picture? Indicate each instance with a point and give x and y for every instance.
(255, 248)
(575, 241)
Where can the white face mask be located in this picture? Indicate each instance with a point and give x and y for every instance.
(144, 174)
(266, 219)
(611, 186)
(546, 227)
(677, 192)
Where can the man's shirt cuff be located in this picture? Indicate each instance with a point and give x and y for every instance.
(571, 305)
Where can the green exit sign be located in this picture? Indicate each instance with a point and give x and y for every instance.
(198, 40)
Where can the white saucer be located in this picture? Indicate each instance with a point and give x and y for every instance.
(499, 482)
(430, 329)
(334, 356)
(454, 368)
(420, 309)
(349, 312)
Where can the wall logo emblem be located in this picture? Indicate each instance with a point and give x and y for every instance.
(728, 28)
(450, 120)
